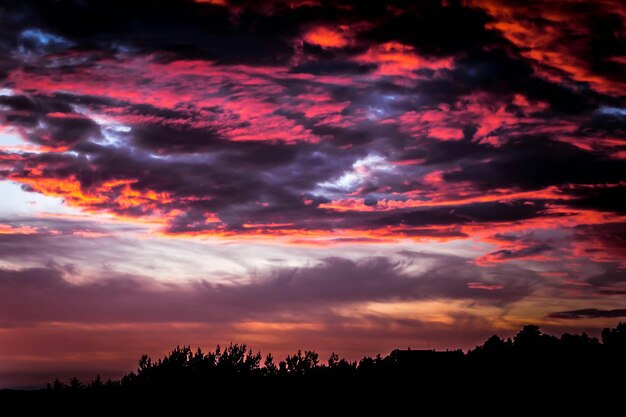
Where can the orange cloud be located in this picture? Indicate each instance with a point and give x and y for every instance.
(6, 229)
(110, 196)
(69, 189)
(556, 37)
(326, 37)
(397, 59)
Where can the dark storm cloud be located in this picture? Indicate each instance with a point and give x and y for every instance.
(419, 25)
(333, 67)
(611, 199)
(247, 33)
(163, 139)
(614, 275)
(65, 131)
(205, 128)
(588, 313)
(521, 253)
(535, 162)
(48, 121)
(35, 105)
(605, 121)
(461, 214)
(503, 72)
(220, 185)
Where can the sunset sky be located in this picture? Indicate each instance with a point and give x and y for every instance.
(330, 175)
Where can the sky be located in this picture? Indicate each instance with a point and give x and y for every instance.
(342, 176)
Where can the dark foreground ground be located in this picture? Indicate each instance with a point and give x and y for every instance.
(533, 372)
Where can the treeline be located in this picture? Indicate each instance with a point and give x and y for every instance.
(530, 351)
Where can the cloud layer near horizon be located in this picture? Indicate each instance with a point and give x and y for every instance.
(229, 162)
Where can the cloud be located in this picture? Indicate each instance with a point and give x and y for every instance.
(613, 275)
(524, 252)
(331, 283)
(582, 43)
(325, 37)
(589, 313)
(234, 120)
(553, 164)
(604, 242)
(400, 300)
(188, 136)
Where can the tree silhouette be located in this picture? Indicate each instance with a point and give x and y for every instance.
(270, 367)
(530, 355)
(615, 339)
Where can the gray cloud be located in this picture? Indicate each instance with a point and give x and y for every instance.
(588, 313)
(44, 294)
